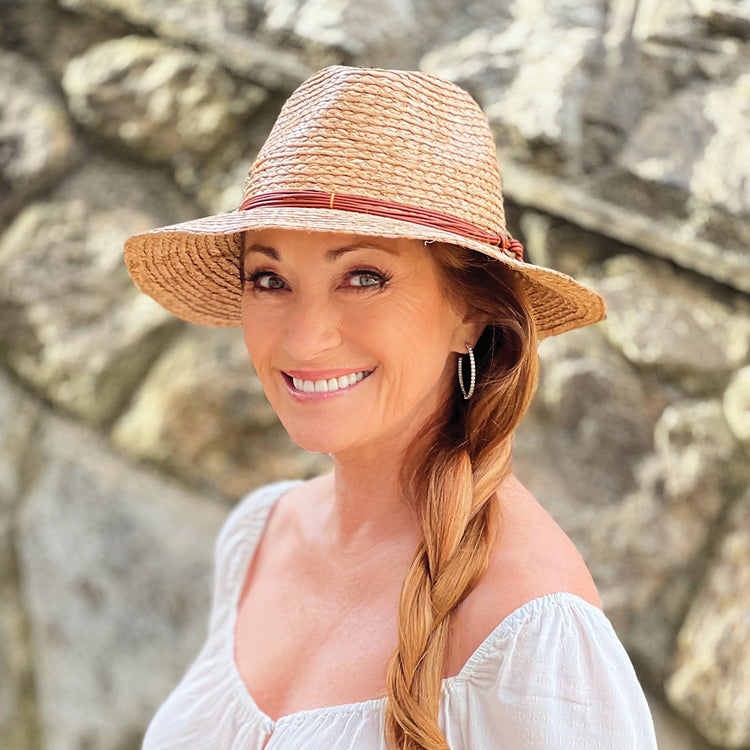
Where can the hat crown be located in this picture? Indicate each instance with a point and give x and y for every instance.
(401, 136)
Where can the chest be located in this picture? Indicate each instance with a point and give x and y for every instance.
(310, 634)
(299, 648)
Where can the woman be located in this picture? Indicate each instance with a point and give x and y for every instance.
(418, 597)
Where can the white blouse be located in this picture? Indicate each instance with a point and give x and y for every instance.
(552, 675)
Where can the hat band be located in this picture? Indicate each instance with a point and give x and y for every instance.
(386, 209)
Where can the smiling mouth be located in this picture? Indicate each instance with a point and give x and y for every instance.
(341, 383)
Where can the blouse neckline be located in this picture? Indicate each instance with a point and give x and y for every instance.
(255, 522)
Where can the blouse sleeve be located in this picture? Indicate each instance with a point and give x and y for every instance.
(553, 676)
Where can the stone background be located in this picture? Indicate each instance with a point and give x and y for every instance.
(125, 436)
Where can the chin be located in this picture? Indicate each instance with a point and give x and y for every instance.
(317, 440)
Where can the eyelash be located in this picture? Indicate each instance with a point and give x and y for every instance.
(383, 278)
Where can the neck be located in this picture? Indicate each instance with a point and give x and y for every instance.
(365, 509)
(365, 505)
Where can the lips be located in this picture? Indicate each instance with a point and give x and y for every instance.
(328, 384)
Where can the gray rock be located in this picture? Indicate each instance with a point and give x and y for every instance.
(648, 551)
(662, 124)
(18, 423)
(730, 16)
(690, 24)
(8, 696)
(641, 223)
(737, 404)
(659, 318)
(359, 29)
(224, 27)
(626, 81)
(159, 100)
(710, 682)
(116, 569)
(666, 142)
(640, 510)
(18, 32)
(201, 413)
(691, 142)
(699, 27)
(532, 96)
(17, 719)
(692, 440)
(36, 139)
(18, 419)
(721, 174)
(588, 427)
(671, 731)
(552, 242)
(216, 182)
(666, 21)
(653, 49)
(592, 419)
(42, 30)
(73, 325)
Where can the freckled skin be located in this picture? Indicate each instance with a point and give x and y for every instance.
(324, 318)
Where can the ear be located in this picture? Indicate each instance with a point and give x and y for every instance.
(467, 332)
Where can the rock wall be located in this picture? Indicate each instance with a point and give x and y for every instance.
(624, 133)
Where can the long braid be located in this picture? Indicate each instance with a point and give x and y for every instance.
(457, 464)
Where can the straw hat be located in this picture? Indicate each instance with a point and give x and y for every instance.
(371, 152)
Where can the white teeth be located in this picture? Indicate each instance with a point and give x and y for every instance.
(333, 384)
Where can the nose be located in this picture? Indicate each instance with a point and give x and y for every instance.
(313, 327)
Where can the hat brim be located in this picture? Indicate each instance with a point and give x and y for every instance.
(193, 269)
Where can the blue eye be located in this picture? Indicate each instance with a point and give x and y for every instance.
(367, 279)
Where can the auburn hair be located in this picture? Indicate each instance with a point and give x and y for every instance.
(456, 464)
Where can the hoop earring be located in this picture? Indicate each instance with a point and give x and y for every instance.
(473, 367)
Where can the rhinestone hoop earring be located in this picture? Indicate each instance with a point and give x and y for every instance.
(473, 366)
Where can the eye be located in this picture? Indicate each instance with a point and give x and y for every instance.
(267, 281)
(371, 279)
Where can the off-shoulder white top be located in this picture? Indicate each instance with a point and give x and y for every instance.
(551, 676)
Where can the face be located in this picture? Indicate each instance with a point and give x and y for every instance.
(351, 337)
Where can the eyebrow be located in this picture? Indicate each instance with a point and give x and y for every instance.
(330, 256)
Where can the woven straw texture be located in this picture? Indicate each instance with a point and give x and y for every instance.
(400, 136)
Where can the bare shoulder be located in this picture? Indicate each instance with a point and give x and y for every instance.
(533, 556)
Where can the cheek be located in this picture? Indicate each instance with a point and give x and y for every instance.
(431, 329)
(418, 348)
(248, 330)
(256, 336)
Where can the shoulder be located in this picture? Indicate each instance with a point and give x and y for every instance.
(240, 531)
(273, 509)
(534, 634)
(542, 555)
(553, 674)
(532, 558)
(252, 509)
